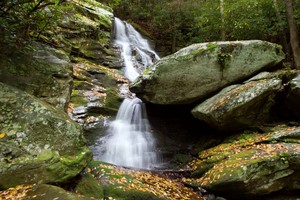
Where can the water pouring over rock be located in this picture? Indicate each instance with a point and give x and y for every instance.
(129, 141)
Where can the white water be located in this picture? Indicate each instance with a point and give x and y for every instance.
(131, 42)
(129, 141)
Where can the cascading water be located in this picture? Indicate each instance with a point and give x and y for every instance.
(129, 141)
(130, 41)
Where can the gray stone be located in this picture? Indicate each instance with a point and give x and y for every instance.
(197, 71)
(39, 70)
(240, 106)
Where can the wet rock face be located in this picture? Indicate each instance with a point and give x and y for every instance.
(197, 71)
(38, 143)
(252, 164)
(95, 95)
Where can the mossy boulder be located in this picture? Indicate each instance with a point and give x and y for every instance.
(38, 143)
(39, 70)
(240, 106)
(45, 191)
(252, 163)
(197, 71)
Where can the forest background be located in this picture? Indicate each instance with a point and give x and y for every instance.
(173, 24)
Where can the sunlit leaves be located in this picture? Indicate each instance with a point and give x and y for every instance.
(234, 158)
(18, 192)
(144, 181)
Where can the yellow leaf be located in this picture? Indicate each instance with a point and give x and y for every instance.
(2, 135)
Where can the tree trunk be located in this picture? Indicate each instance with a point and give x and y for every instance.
(284, 39)
(222, 20)
(174, 42)
(293, 33)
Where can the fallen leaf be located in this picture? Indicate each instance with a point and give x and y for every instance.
(2, 135)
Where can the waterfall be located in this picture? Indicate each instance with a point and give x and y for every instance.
(131, 42)
(129, 141)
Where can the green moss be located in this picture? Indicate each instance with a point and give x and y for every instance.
(199, 52)
(119, 194)
(76, 157)
(112, 101)
(147, 71)
(77, 98)
(96, 163)
(44, 191)
(89, 186)
(46, 154)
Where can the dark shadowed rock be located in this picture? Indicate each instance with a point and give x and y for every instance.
(291, 104)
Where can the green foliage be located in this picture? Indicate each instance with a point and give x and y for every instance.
(20, 19)
(178, 23)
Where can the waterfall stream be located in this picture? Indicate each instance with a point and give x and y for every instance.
(129, 141)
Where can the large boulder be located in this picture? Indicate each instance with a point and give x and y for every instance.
(241, 106)
(38, 143)
(251, 164)
(39, 70)
(199, 70)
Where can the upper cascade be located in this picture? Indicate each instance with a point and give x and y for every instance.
(136, 52)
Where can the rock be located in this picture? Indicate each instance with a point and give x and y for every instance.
(197, 71)
(38, 143)
(95, 94)
(291, 104)
(130, 184)
(240, 106)
(252, 164)
(86, 34)
(89, 187)
(44, 191)
(39, 70)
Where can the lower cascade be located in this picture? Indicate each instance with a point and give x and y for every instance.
(129, 141)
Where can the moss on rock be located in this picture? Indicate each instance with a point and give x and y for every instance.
(89, 187)
(41, 144)
(197, 71)
(39, 70)
(253, 163)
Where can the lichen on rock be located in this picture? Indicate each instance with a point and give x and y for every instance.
(252, 163)
(197, 71)
(41, 143)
